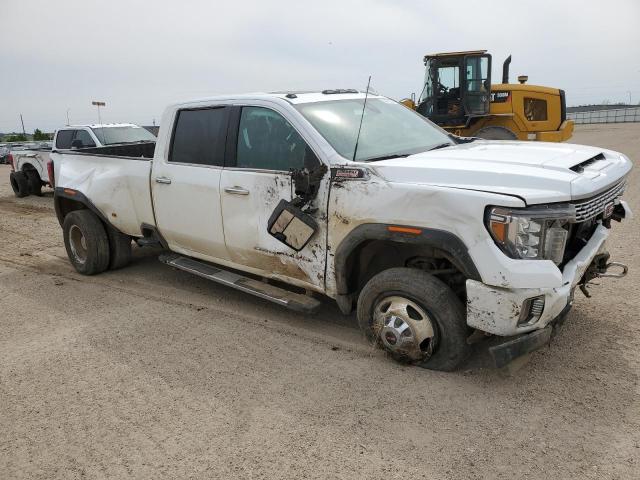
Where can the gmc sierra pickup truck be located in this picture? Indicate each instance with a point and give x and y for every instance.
(30, 168)
(432, 238)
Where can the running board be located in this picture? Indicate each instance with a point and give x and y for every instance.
(285, 298)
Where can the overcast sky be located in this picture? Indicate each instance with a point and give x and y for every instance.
(138, 56)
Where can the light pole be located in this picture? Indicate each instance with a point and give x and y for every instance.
(68, 123)
(99, 104)
(629, 93)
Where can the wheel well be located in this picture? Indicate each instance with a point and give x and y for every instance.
(28, 166)
(374, 256)
(64, 206)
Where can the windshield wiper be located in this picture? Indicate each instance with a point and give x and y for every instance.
(387, 157)
(440, 145)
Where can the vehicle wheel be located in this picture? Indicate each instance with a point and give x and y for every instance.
(86, 242)
(35, 184)
(19, 184)
(495, 133)
(119, 248)
(415, 317)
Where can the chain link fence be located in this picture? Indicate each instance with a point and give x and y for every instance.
(618, 115)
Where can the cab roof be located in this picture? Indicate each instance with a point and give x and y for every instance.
(455, 54)
(101, 125)
(291, 96)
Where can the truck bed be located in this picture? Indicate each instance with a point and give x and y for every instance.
(118, 185)
(132, 150)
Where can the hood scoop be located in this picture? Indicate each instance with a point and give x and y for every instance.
(580, 167)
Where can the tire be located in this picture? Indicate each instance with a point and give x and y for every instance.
(19, 184)
(119, 249)
(495, 133)
(35, 184)
(447, 347)
(86, 242)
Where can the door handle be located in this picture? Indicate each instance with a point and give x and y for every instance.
(164, 180)
(236, 190)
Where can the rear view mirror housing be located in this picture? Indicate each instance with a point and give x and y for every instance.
(291, 226)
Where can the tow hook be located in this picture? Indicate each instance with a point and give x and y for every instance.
(599, 268)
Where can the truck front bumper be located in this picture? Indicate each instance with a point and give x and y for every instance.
(499, 310)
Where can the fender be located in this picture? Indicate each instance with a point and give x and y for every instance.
(440, 239)
(78, 197)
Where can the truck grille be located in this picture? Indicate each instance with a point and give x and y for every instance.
(595, 206)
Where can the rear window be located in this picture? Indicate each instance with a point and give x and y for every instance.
(535, 109)
(199, 137)
(63, 139)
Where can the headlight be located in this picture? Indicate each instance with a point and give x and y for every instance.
(531, 233)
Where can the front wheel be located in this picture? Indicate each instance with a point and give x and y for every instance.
(495, 133)
(415, 317)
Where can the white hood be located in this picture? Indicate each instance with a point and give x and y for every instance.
(538, 172)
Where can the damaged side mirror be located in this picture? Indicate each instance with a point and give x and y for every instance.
(289, 222)
(291, 225)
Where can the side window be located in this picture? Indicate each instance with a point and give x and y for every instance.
(199, 136)
(82, 140)
(63, 139)
(535, 109)
(267, 141)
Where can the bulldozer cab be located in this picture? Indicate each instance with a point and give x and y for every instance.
(457, 87)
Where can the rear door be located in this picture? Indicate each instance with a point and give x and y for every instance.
(186, 183)
(264, 147)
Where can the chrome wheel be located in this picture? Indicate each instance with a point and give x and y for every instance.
(78, 244)
(404, 328)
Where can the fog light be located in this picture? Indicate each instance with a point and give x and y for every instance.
(532, 309)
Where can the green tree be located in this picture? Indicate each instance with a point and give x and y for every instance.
(15, 138)
(40, 135)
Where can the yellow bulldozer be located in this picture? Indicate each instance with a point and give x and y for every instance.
(457, 95)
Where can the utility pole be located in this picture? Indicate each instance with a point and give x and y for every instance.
(22, 122)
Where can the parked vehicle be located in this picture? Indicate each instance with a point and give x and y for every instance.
(30, 170)
(431, 237)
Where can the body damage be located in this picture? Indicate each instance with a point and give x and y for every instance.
(221, 213)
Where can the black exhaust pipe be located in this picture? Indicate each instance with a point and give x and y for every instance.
(505, 70)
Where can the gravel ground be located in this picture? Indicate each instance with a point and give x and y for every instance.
(149, 372)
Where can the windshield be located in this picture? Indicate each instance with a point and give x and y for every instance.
(129, 134)
(388, 128)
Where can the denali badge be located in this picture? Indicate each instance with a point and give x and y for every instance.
(608, 210)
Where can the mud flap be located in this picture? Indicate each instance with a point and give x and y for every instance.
(291, 225)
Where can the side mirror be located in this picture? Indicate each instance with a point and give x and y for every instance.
(77, 144)
(291, 226)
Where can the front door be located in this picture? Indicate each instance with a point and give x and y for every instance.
(186, 184)
(268, 147)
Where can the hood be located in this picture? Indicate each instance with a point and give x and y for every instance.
(537, 172)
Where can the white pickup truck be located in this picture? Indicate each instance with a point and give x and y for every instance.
(433, 238)
(30, 169)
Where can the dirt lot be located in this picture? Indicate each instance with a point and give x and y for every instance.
(152, 373)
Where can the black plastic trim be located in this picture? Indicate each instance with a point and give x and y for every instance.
(445, 241)
(563, 107)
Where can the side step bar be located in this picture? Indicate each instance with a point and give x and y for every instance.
(291, 300)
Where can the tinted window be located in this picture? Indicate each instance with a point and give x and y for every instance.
(267, 141)
(128, 134)
(82, 140)
(63, 139)
(199, 137)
